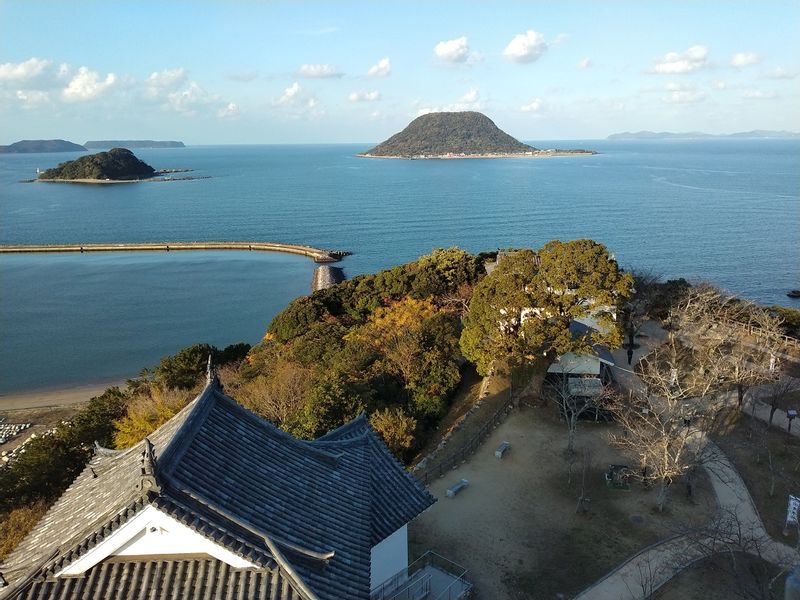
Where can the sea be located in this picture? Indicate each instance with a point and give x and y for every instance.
(725, 211)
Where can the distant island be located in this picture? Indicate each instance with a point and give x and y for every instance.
(103, 144)
(118, 164)
(698, 135)
(33, 146)
(465, 134)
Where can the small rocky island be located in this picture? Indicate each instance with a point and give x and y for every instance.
(33, 146)
(465, 134)
(118, 164)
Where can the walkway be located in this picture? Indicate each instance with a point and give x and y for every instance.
(738, 523)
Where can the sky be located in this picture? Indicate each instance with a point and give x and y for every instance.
(250, 72)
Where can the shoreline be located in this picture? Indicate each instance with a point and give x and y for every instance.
(55, 397)
(159, 179)
(536, 154)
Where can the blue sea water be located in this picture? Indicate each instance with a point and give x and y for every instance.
(723, 210)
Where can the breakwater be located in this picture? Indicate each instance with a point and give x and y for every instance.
(317, 254)
(325, 276)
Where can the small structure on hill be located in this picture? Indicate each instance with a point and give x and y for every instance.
(218, 502)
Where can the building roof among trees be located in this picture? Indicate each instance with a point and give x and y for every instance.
(305, 513)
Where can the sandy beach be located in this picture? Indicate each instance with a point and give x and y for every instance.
(50, 397)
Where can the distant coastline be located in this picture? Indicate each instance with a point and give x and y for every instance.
(756, 134)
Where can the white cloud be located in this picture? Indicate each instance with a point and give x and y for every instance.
(757, 95)
(719, 84)
(298, 102)
(290, 94)
(560, 39)
(780, 73)
(24, 71)
(32, 98)
(188, 100)
(231, 111)
(585, 63)
(745, 59)
(674, 63)
(381, 69)
(319, 71)
(87, 85)
(526, 47)
(534, 106)
(453, 51)
(164, 81)
(363, 96)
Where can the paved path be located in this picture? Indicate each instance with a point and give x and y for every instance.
(737, 523)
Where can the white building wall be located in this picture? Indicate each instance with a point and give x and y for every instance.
(389, 557)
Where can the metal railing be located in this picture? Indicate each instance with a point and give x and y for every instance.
(416, 582)
(429, 472)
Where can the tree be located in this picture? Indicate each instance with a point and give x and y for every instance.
(524, 308)
(665, 427)
(185, 368)
(146, 413)
(575, 280)
(278, 394)
(744, 336)
(493, 326)
(395, 427)
(573, 407)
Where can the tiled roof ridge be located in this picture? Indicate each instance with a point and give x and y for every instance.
(339, 433)
(210, 395)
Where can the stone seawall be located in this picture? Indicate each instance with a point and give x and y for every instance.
(326, 276)
(318, 255)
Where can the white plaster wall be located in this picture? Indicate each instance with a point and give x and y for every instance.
(389, 556)
(153, 533)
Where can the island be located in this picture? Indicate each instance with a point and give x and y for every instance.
(35, 146)
(756, 134)
(466, 134)
(103, 144)
(118, 164)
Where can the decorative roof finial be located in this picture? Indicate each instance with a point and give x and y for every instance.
(210, 374)
(148, 481)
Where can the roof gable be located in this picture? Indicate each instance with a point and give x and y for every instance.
(312, 509)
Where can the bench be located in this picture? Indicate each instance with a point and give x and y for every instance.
(454, 489)
(501, 450)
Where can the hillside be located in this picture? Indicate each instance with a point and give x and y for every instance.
(118, 164)
(32, 146)
(443, 133)
(102, 144)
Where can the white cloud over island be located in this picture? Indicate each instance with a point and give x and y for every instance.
(87, 84)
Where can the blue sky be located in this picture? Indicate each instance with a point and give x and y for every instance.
(297, 72)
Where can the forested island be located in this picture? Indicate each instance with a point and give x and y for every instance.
(102, 144)
(466, 134)
(34, 146)
(118, 164)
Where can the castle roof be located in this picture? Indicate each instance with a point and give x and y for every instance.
(303, 515)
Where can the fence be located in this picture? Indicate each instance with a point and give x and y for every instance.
(431, 577)
(430, 472)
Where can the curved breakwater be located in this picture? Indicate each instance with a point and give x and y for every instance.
(317, 254)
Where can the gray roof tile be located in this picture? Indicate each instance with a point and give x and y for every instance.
(308, 510)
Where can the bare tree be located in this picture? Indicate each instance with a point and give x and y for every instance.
(777, 395)
(575, 403)
(744, 337)
(665, 427)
